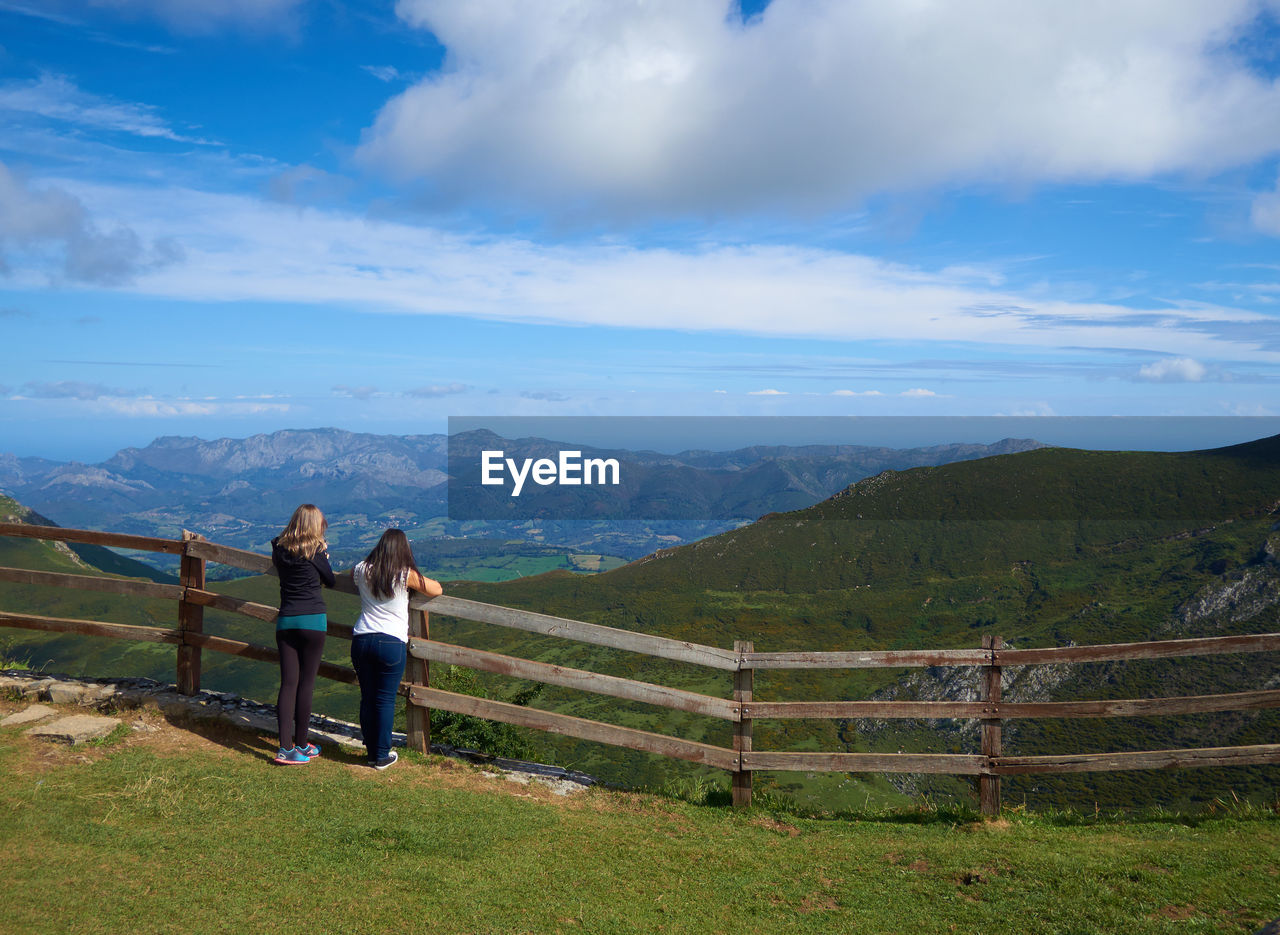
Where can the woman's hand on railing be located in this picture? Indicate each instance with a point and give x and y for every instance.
(428, 586)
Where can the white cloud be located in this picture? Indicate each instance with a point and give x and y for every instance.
(243, 249)
(437, 389)
(1265, 211)
(116, 401)
(917, 393)
(53, 97)
(355, 392)
(151, 407)
(1174, 370)
(672, 106)
(767, 393)
(32, 220)
(383, 72)
(856, 393)
(546, 396)
(67, 389)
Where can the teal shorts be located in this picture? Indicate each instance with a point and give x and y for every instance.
(303, 622)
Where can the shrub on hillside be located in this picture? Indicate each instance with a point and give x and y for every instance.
(473, 733)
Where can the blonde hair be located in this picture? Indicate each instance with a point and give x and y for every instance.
(305, 532)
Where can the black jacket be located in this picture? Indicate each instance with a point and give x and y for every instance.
(300, 580)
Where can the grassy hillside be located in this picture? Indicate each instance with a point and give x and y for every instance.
(1042, 548)
(183, 830)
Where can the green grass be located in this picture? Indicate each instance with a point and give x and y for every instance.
(206, 835)
(11, 658)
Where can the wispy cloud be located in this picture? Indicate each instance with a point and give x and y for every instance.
(240, 248)
(117, 401)
(385, 73)
(55, 97)
(69, 389)
(546, 396)
(152, 407)
(23, 9)
(767, 392)
(437, 389)
(1265, 211)
(355, 392)
(188, 16)
(45, 12)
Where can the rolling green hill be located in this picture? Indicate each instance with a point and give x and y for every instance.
(1043, 548)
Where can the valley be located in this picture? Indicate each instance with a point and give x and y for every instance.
(1044, 547)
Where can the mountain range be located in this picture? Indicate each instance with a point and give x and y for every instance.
(241, 491)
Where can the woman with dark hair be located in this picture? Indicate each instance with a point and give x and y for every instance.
(301, 558)
(381, 634)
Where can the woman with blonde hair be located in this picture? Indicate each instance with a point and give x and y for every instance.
(381, 635)
(300, 555)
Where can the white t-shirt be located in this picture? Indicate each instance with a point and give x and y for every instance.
(382, 615)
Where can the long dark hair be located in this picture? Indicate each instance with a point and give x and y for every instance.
(390, 559)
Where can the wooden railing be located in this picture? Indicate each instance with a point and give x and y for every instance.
(740, 708)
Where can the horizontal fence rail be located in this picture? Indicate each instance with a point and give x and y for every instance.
(958, 764)
(566, 677)
(940, 710)
(93, 537)
(123, 631)
(881, 659)
(1158, 649)
(583, 729)
(659, 646)
(1256, 755)
(740, 709)
(129, 586)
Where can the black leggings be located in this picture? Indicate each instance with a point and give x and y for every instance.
(300, 652)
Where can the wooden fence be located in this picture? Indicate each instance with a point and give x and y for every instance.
(743, 661)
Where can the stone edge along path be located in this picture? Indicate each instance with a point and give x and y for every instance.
(240, 712)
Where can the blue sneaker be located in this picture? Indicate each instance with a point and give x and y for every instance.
(310, 750)
(291, 757)
(385, 761)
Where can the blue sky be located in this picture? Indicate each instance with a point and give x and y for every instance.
(222, 217)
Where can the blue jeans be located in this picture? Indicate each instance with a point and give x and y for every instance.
(379, 663)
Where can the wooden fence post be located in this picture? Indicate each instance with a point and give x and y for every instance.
(743, 685)
(989, 689)
(190, 617)
(418, 672)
